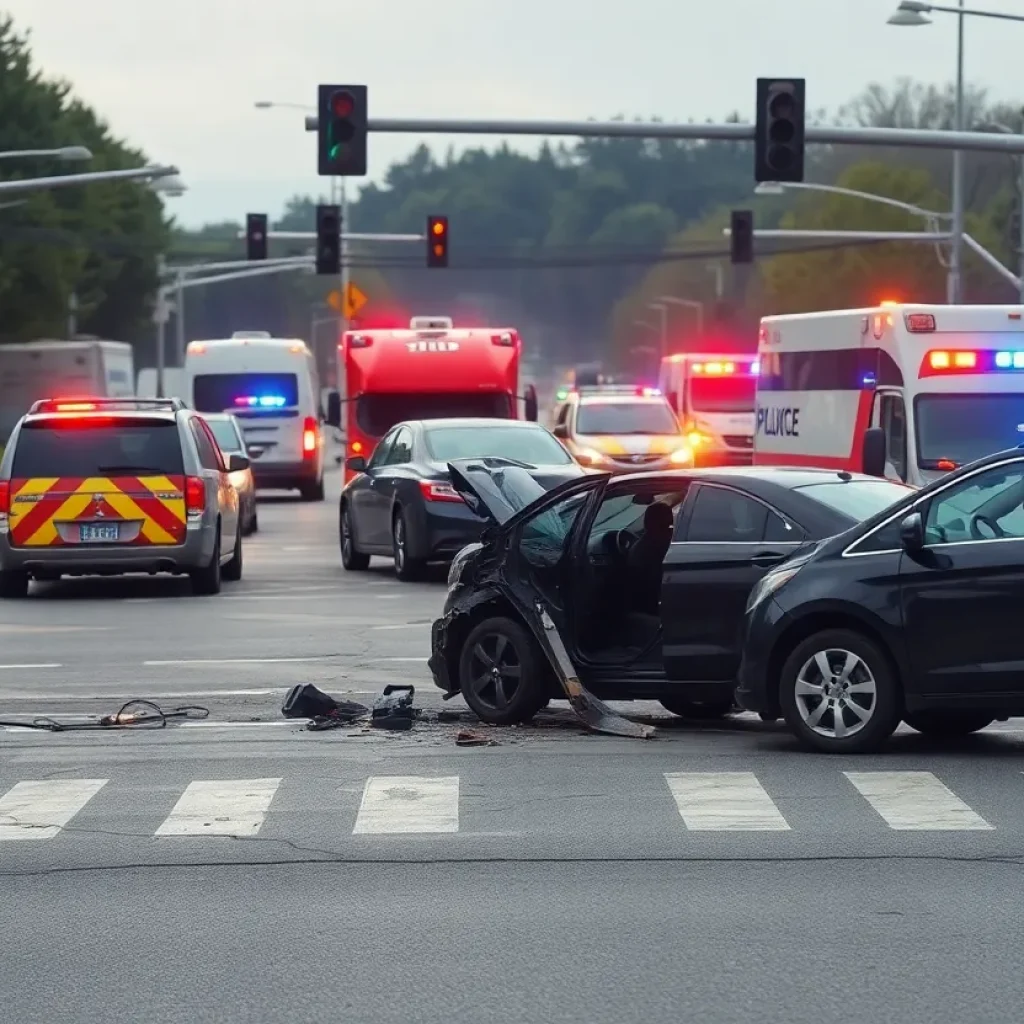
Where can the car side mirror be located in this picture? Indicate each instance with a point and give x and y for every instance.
(561, 431)
(530, 403)
(873, 451)
(238, 463)
(356, 463)
(912, 532)
(334, 409)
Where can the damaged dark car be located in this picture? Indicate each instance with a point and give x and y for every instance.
(624, 588)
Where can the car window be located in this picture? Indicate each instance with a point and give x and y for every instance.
(267, 392)
(226, 436)
(81, 448)
(991, 501)
(858, 499)
(885, 539)
(626, 512)
(779, 530)
(380, 453)
(209, 456)
(401, 450)
(644, 416)
(725, 516)
(532, 445)
(542, 538)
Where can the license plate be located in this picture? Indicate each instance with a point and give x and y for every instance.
(99, 533)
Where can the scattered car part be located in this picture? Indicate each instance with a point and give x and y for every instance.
(393, 709)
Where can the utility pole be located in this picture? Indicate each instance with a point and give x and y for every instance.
(179, 317)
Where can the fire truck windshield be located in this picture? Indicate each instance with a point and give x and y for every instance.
(962, 428)
(376, 414)
(723, 394)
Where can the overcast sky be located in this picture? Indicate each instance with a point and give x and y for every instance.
(179, 79)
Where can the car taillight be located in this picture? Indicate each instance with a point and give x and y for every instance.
(195, 494)
(5, 496)
(433, 490)
(309, 436)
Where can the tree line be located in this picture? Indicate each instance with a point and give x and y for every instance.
(98, 243)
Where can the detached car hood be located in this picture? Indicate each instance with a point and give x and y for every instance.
(498, 489)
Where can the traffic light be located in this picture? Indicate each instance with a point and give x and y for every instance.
(328, 240)
(255, 236)
(779, 132)
(437, 241)
(341, 130)
(741, 237)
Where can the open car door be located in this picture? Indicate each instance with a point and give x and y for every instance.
(537, 552)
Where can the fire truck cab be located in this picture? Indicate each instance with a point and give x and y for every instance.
(714, 397)
(429, 370)
(898, 390)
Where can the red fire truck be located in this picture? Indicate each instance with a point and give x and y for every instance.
(429, 370)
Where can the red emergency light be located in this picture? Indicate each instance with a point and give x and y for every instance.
(943, 360)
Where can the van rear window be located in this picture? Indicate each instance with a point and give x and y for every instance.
(88, 448)
(236, 392)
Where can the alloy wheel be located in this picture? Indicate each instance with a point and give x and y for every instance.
(836, 693)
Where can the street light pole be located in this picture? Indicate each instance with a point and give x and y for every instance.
(955, 278)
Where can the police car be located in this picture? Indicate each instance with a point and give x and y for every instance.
(104, 486)
(905, 391)
(620, 429)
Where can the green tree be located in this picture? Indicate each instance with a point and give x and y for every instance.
(99, 242)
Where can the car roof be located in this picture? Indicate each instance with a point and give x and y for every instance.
(473, 423)
(218, 416)
(783, 477)
(613, 399)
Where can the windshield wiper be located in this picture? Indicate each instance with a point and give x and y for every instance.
(129, 468)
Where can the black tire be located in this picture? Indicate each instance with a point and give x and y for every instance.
(948, 724)
(351, 559)
(254, 523)
(699, 710)
(511, 647)
(13, 584)
(885, 708)
(406, 568)
(232, 570)
(206, 581)
(313, 491)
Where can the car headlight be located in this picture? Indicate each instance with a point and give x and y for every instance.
(770, 583)
(590, 456)
(681, 457)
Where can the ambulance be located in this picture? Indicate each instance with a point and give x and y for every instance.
(904, 391)
(714, 398)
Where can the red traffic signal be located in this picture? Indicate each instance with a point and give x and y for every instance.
(342, 104)
(437, 241)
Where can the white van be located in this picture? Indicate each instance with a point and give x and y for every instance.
(271, 385)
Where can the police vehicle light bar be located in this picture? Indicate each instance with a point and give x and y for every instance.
(261, 401)
(724, 369)
(939, 361)
(95, 404)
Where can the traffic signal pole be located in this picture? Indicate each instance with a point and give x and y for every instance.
(919, 138)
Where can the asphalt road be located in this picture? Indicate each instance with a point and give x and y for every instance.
(244, 869)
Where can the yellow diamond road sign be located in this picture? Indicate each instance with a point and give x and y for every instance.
(350, 304)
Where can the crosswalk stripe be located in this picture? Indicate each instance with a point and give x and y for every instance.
(724, 802)
(232, 807)
(916, 802)
(394, 804)
(39, 810)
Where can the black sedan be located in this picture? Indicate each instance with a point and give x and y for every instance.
(631, 587)
(403, 505)
(913, 615)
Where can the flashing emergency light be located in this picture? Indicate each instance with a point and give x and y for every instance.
(649, 392)
(76, 407)
(939, 361)
(261, 401)
(561, 394)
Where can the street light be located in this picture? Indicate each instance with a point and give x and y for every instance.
(912, 12)
(775, 188)
(68, 154)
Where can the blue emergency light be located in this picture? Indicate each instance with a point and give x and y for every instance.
(261, 401)
(1010, 360)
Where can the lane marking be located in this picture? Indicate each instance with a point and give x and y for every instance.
(15, 627)
(724, 802)
(388, 597)
(39, 810)
(58, 697)
(241, 661)
(397, 804)
(418, 660)
(233, 807)
(916, 802)
(47, 664)
(403, 625)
